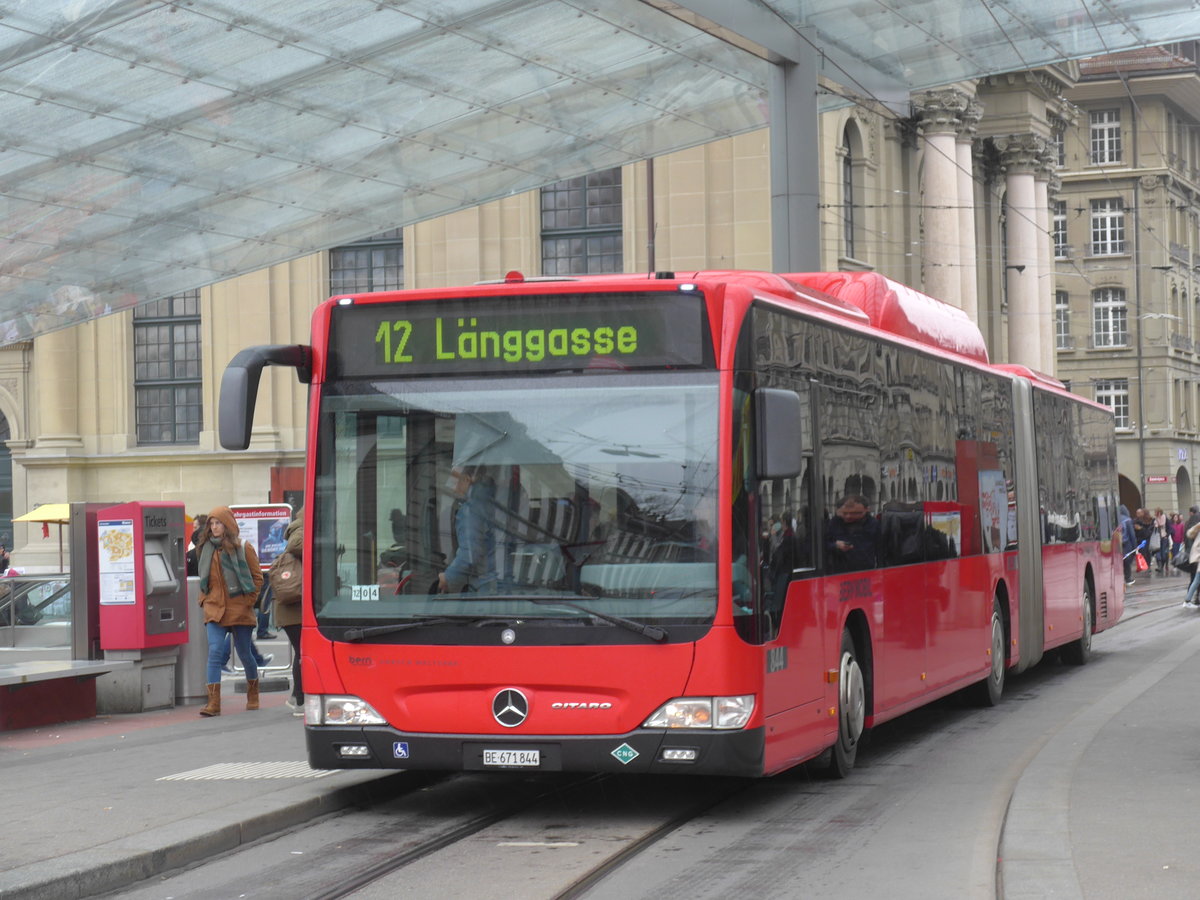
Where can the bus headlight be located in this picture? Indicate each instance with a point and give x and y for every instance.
(703, 712)
(340, 711)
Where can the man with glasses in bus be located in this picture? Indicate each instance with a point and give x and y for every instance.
(852, 536)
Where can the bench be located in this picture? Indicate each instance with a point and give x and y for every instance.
(46, 692)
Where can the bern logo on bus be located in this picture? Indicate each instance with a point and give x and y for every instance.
(510, 707)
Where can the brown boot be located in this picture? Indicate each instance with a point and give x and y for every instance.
(251, 693)
(213, 707)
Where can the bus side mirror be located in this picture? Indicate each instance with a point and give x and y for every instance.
(239, 387)
(780, 418)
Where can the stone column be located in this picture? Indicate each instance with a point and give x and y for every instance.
(1045, 184)
(56, 368)
(940, 115)
(1021, 156)
(968, 282)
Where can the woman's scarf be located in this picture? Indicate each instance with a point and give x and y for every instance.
(233, 566)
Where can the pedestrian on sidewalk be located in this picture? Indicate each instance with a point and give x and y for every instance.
(1194, 564)
(192, 557)
(1129, 541)
(1178, 538)
(1192, 519)
(1160, 541)
(229, 582)
(287, 588)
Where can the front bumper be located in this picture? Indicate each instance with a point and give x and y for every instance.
(734, 753)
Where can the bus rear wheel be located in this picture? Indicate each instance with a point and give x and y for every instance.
(851, 711)
(1079, 652)
(990, 691)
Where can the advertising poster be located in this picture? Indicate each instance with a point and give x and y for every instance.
(948, 524)
(262, 528)
(115, 542)
(993, 510)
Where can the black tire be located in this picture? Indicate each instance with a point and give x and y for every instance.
(851, 711)
(1079, 652)
(990, 691)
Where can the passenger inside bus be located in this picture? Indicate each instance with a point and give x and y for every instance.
(852, 536)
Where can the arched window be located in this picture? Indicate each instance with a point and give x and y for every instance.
(853, 173)
(6, 485)
(847, 194)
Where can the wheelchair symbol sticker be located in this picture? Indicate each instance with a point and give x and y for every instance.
(400, 749)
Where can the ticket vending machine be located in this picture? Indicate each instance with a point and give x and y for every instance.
(142, 574)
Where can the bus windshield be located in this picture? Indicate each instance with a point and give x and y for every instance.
(481, 499)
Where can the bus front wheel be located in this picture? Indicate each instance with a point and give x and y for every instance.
(851, 711)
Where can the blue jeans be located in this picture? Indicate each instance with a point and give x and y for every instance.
(217, 653)
(228, 652)
(1193, 587)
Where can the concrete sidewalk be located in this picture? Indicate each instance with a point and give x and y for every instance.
(95, 805)
(1106, 807)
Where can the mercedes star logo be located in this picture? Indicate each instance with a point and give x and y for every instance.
(510, 707)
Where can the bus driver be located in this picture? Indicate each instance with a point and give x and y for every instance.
(474, 562)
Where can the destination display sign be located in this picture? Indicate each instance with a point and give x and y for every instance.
(516, 334)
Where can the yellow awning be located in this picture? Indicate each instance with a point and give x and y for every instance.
(48, 512)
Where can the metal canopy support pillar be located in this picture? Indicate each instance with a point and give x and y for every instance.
(795, 124)
(795, 165)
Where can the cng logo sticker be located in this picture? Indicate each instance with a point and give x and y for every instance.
(625, 754)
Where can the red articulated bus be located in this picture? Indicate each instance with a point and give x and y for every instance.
(714, 522)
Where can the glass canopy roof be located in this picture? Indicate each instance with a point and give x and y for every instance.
(151, 147)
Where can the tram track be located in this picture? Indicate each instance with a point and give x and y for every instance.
(426, 848)
(495, 834)
(516, 829)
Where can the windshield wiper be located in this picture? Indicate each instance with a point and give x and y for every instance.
(353, 635)
(651, 631)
